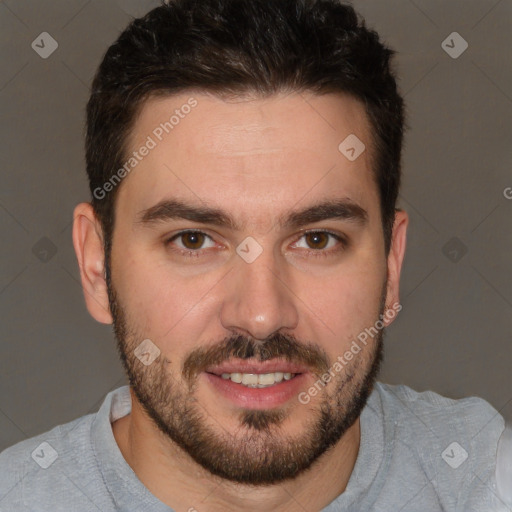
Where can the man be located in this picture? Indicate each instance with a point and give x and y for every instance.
(243, 239)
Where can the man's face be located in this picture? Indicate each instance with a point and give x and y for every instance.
(270, 295)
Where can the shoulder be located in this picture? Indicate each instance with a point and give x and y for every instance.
(39, 465)
(436, 410)
(438, 419)
(454, 442)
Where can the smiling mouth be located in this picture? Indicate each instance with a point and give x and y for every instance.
(257, 385)
(256, 374)
(258, 380)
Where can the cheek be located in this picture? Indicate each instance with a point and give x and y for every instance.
(161, 303)
(342, 306)
(174, 310)
(347, 294)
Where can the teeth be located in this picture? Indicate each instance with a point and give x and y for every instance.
(236, 377)
(257, 380)
(249, 379)
(266, 379)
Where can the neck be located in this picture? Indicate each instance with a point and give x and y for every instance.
(157, 461)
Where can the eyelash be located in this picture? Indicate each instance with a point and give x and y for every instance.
(343, 244)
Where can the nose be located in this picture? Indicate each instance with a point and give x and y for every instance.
(259, 299)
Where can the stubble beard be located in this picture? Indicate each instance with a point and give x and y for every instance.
(258, 452)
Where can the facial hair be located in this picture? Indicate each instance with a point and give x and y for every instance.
(259, 452)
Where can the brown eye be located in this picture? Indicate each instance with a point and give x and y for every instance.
(318, 240)
(192, 239)
(321, 243)
(191, 242)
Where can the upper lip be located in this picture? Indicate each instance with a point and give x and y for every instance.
(258, 367)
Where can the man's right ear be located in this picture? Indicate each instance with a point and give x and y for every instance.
(88, 243)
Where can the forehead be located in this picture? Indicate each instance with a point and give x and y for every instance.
(243, 152)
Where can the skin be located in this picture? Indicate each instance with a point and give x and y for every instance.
(230, 155)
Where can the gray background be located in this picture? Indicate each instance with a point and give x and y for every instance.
(454, 333)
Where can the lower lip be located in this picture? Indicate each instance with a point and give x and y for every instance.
(257, 398)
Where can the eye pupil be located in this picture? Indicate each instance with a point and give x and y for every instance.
(317, 240)
(193, 240)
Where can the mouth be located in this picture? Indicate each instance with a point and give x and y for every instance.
(258, 380)
(257, 385)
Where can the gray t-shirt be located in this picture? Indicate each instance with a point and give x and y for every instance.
(419, 452)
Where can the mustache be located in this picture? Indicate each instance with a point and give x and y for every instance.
(277, 346)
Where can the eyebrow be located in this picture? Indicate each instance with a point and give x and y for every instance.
(175, 209)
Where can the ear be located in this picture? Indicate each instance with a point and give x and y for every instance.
(396, 258)
(88, 243)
